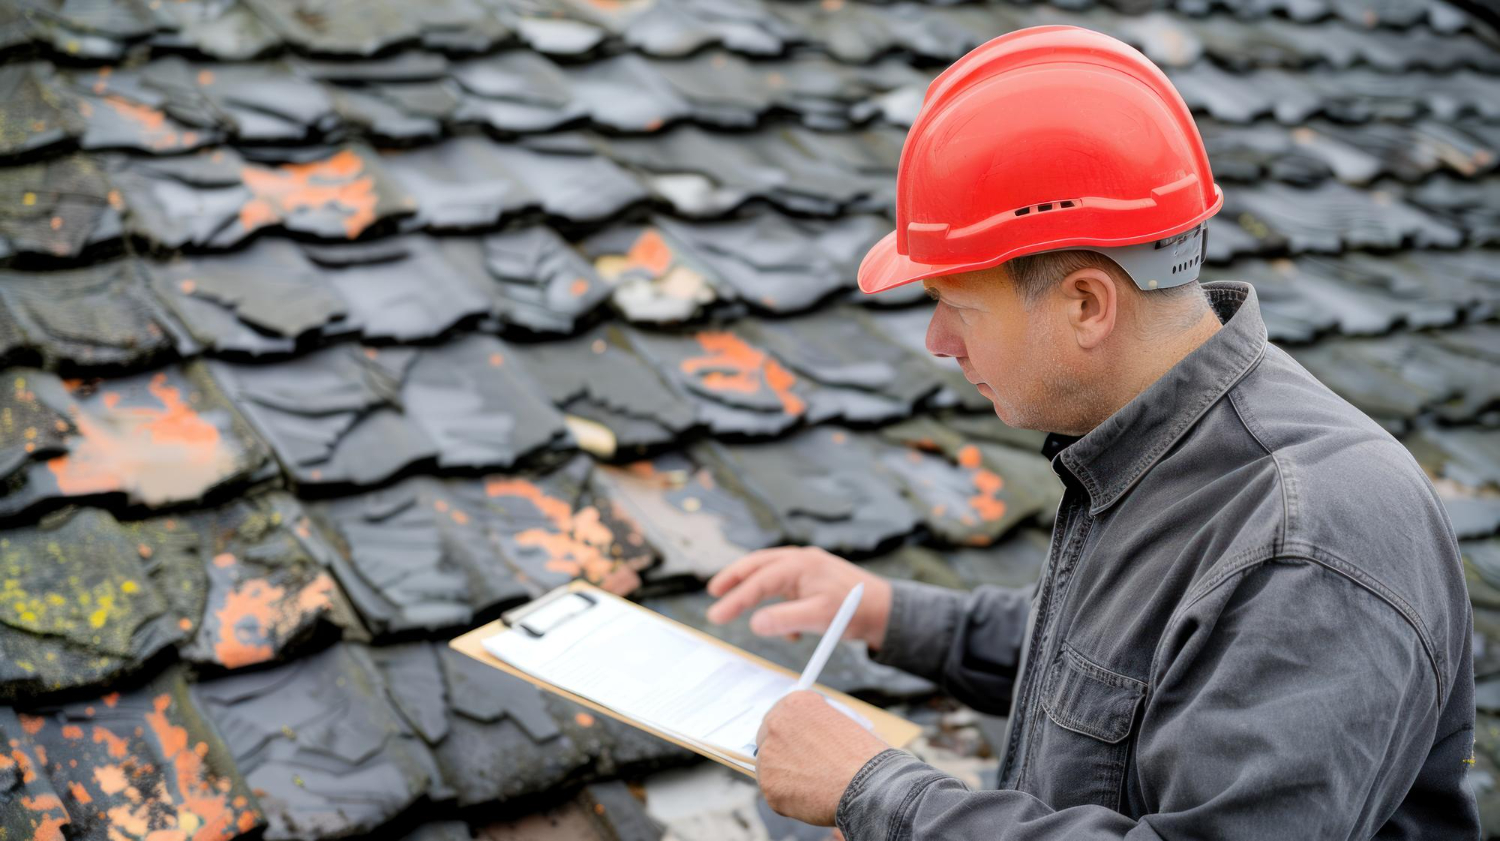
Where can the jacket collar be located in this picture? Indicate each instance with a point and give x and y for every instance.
(1112, 457)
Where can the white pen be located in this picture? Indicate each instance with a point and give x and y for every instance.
(831, 638)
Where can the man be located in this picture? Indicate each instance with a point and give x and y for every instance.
(1252, 623)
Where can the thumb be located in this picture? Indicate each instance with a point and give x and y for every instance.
(810, 614)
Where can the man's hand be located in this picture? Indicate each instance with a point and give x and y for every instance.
(807, 754)
(813, 582)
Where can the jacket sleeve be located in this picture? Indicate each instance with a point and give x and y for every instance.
(967, 643)
(1289, 702)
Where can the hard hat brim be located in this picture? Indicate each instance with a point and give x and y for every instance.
(886, 268)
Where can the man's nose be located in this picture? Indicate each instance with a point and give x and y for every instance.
(942, 339)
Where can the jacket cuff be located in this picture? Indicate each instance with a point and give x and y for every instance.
(923, 623)
(875, 805)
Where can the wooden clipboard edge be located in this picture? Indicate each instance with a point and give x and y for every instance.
(891, 728)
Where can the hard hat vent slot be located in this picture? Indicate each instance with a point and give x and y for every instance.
(1045, 206)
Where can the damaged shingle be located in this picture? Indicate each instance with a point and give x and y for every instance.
(57, 209)
(826, 487)
(464, 404)
(469, 182)
(152, 439)
(601, 377)
(79, 607)
(35, 116)
(691, 509)
(969, 492)
(100, 317)
(491, 734)
(1332, 217)
(140, 763)
(320, 743)
(30, 808)
(536, 279)
(257, 582)
(217, 199)
(429, 554)
(737, 387)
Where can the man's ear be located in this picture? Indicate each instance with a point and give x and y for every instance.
(1091, 302)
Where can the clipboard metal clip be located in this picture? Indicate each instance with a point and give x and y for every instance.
(543, 614)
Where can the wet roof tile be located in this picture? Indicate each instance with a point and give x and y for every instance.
(141, 761)
(97, 318)
(35, 117)
(320, 743)
(217, 198)
(691, 508)
(58, 209)
(464, 404)
(820, 484)
(428, 554)
(153, 439)
(970, 492)
(601, 376)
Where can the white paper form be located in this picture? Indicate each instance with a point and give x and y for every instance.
(622, 658)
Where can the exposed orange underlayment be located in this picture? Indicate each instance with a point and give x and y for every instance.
(160, 454)
(157, 132)
(730, 364)
(336, 183)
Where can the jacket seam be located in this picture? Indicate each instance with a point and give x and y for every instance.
(1257, 434)
(1332, 563)
(900, 826)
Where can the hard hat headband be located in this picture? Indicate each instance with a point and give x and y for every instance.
(1162, 264)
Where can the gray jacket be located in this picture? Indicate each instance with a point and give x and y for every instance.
(1252, 624)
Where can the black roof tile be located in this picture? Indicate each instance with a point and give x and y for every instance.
(138, 762)
(691, 508)
(825, 488)
(97, 318)
(320, 743)
(464, 404)
(216, 199)
(57, 209)
(601, 377)
(36, 117)
(154, 439)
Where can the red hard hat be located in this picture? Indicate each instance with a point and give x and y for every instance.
(1046, 138)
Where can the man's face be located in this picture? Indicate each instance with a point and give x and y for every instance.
(1008, 351)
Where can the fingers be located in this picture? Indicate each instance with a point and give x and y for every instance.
(811, 614)
(774, 578)
(738, 571)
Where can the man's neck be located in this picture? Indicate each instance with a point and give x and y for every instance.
(1155, 359)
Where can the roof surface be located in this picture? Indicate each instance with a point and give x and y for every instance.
(332, 328)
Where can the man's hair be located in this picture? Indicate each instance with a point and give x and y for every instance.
(1034, 274)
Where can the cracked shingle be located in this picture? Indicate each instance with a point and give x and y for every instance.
(216, 199)
(153, 439)
(320, 743)
(464, 404)
(138, 763)
(97, 318)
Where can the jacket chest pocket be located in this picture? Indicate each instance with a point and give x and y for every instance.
(1082, 747)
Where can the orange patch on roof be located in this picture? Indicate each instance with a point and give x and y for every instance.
(578, 287)
(157, 133)
(731, 364)
(650, 252)
(79, 793)
(556, 510)
(336, 183)
(32, 724)
(111, 699)
(72, 731)
(162, 453)
(257, 612)
(199, 795)
(969, 456)
(116, 745)
(985, 502)
(111, 778)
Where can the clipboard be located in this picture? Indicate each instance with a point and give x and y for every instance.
(535, 619)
